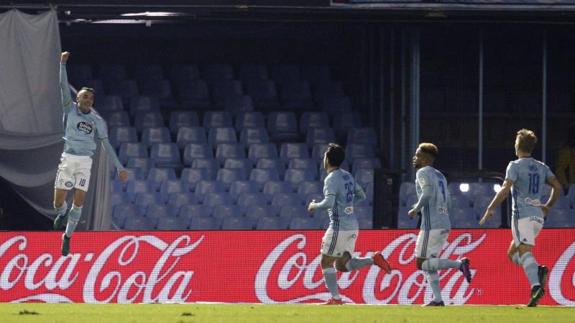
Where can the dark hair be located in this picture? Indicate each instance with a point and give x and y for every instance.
(89, 89)
(526, 140)
(429, 148)
(335, 154)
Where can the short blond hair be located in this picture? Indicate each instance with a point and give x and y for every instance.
(429, 148)
(526, 140)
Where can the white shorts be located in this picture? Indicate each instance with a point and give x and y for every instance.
(336, 243)
(525, 230)
(73, 172)
(429, 243)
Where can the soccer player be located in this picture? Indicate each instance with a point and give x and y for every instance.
(433, 204)
(340, 194)
(81, 123)
(525, 178)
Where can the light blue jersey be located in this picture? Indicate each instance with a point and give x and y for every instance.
(529, 176)
(435, 207)
(341, 185)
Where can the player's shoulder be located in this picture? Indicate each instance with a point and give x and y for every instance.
(96, 115)
(424, 171)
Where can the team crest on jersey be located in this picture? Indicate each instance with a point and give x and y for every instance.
(422, 181)
(69, 184)
(85, 127)
(532, 168)
(345, 177)
(348, 210)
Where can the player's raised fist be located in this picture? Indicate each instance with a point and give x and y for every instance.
(64, 57)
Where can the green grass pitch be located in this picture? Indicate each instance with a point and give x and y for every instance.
(189, 313)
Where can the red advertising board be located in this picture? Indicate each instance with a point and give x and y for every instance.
(267, 267)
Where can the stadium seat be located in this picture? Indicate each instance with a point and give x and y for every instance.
(120, 135)
(343, 122)
(282, 199)
(156, 176)
(282, 126)
(366, 163)
(117, 119)
(238, 223)
(138, 223)
(270, 223)
(132, 149)
(354, 151)
(285, 73)
(258, 151)
(267, 163)
(211, 165)
(166, 155)
(217, 72)
(204, 223)
(263, 93)
(318, 151)
(109, 103)
(291, 211)
(155, 135)
(227, 211)
(366, 136)
(183, 73)
(143, 200)
(251, 119)
(226, 151)
(239, 163)
(154, 212)
(194, 94)
(177, 200)
(336, 105)
(303, 223)
(322, 91)
(171, 186)
(240, 187)
(218, 198)
(303, 163)
(222, 89)
(191, 135)
(246, 200)
(404, 221)
(208, 187)
(197, 151)
(149, 72)
(179, 119)
(253, 72)
(123, 211)
(239, 104)
(293, 150)
(364, 176)
(136, 186)
(126, 89)
(171, 223)
(256, 212)
(218, 136)
(148, 120)
(190, 211)
(296, 95)
(297, 176)
(191, 176)
(319, 136)
(313, 120)
(261, 176)
(113, 72)
(144, 104)
(249, 136)
(270, 188)
(157, 88)
(310, 187)
(217, 119)
(229, 175)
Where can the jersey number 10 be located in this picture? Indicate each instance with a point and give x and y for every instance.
(533, 183)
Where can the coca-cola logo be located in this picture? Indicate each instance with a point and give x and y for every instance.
(103, 284)
(401, 287)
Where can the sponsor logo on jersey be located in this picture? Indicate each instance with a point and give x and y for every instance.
(85, 127)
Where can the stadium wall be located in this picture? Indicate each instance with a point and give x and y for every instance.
(266, 267)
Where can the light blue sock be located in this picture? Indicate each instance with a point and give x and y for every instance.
(73, 219)
(329, 274)
(433, 279)
(356, 263)
(530, 266)
(62, 209)
(434, 264)
(515, 259)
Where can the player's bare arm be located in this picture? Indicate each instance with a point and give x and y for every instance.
(555, 193)
(497, 200)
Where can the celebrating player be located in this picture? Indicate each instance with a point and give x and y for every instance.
(525, 178)
(81, 122)
(341, 193)
(433, 204)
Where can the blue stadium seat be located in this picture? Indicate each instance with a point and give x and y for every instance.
(136, 186)
(194, 94)
(217, 72)
(238, 223)
(218, 198)
(191, 135)
(354, 151)
(191, 176)
(179, 119)
(240, 187)
(249, 136)
(113, 72)
(364, 176)
(318, 151)
(461, 201)
(211, 165)
(148, 120)
(293, 150)
(155, 135)
(156, 176)
(218, 136)
(463, 218)
(132, 149)
(296, 95)
(366, 135)
(263, 93)
(225, 151)
(239, 163)
(313, 120)
(316, 74)
(149, 72)
(365, 223)
(204, 223)
(110, 103)
(154, 212)
(303, 163)
(227, 176)
(272, 187)
(208, 187)
(197, 151)
(171, 186)
(156, 88)
(227, 211)
(404, 221)
(250, 119)
(190, 211)
(239, 104)
(364, 212)
(310, 187)
(270, 223)
(177, 200)
(343, 122)
(166, 155)
(223, 89)
(322, 91)
(120, 135)
(406, 189)
(366, 163)
(119, 197)
(258, 151)
(258, 211)
(217, 119)
(282, 199)
(143, 104)
(336, 104)
(253, 72)
(291, 211)
(282, 126)
(297, 176)
(133, 174)
(267, 163)
(246, 200)
(560, 218)
(319, 136)
(171, 223)
(303, 223)
(117, 119)
(123, 211)
(261, 176)
(138, 223)
(183, 73)
(143, 200)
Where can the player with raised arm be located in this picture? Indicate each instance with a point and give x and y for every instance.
(81, 124)
(340, 194)
(525, 178)
(433, 204)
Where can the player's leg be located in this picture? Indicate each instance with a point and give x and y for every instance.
(432, 243)
(348, 262)
(64, 182)
(82, 182)
(60, 206)
(513, 254)
(328, 244)
(422, 251)
(528, 230)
